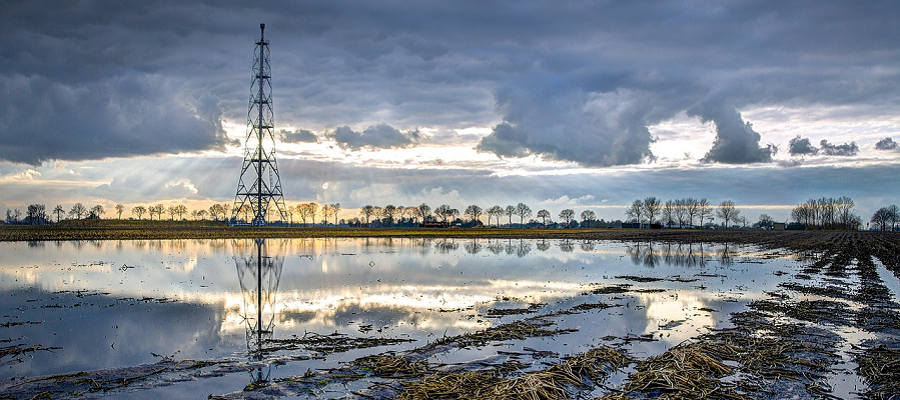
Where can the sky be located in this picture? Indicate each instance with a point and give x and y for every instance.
(581, 104)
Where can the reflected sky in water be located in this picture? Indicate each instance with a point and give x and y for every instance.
(122, 303)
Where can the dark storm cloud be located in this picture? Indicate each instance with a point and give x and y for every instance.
(300, 136)
(887, 144)
(736, 141)
(578, 82)
(842, 150)
(802, 146)
(561, 121)
(381, 136)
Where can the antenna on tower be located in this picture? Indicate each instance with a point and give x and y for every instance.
(259, 185)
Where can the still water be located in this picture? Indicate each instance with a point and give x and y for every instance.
(116, 304)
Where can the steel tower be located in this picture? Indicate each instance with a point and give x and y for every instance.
(259, 185)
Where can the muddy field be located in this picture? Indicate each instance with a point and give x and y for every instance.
(832, 330)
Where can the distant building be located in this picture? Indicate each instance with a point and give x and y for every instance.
(778, 226)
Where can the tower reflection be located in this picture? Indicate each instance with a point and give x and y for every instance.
(259, 264)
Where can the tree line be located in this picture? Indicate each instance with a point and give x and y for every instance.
(821, 213)
(683, 212)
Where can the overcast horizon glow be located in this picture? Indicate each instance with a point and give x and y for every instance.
(582, 105)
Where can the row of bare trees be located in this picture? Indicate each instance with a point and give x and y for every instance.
(683, 212)
(827, 213)
(886, 217)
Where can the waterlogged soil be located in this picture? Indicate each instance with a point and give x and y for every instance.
(721, 315)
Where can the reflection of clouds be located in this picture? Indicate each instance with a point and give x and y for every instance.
(668, 307)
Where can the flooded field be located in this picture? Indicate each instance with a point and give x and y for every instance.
(384, 318)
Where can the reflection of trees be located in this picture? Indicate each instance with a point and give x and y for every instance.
(567, 245)
(642, 254)
(684, 254)
(259, 271)
(588, 245)
(473, 247)
(495, 246)
(523, 248)
(725, 256)
(677, 254)
(543, 245)
(445, 246)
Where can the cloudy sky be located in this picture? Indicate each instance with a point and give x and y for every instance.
(584, 105)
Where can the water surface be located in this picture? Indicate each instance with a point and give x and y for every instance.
(113, 304)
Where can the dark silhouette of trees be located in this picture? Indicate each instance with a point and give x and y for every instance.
(727, 212)
(36, 214)
(367, 211)
(77, 211)
(423, 211)
(510, 211)
(496, 212)
(523, 211)
(827, 213)
(473, 212)
(635, 211)
(97, 211)
(58, 210)
(587, 218)
(883, 217)
(543, 215)
(567, 215)
(650, 208)
(704, 210)
(389, 212)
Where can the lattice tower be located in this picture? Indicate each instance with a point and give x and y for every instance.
(260, 169)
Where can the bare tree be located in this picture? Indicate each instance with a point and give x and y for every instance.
(180, 210)
(77, 211)
(97, 211)
(58, 210)
(158, 209)
(704, 209)
(389, 212)
(139, 211)
(327, 212)
(510, 211)
(680, 212)
(496, 212)
(367, 211)
(119, 209)
(336, 207)
(882, 217)
(36, 214)
(727, 212)
(543, 215)
(473, 212)
(635, 212)
(567, 215)
(587, 218)
(423, 211)
(523, 211)
(692, 208)
(668, 213)
(650, 209)
(894, 213)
